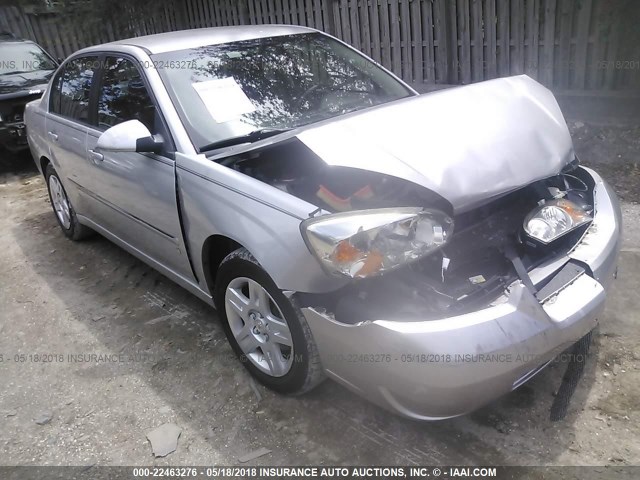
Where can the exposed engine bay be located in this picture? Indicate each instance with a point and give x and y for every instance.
(293, 168)
(472, 270)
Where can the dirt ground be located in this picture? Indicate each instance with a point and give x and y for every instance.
(60, 298)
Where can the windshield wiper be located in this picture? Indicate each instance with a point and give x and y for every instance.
(251, 137)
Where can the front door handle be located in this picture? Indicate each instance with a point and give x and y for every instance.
(96, 156)
(53, 136)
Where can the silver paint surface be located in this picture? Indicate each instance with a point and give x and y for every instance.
(444, 368)
(468, 144)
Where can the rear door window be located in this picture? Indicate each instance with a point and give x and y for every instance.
(71, 89)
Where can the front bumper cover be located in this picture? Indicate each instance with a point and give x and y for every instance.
(13, 136)
(437, 369)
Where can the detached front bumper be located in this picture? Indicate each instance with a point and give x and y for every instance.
(437, 369)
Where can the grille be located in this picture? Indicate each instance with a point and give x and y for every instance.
(12, 111)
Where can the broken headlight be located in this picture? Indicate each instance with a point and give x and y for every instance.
(370, 242)
(553, 219)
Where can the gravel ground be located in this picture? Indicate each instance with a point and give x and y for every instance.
(172, 364)
(614, 152)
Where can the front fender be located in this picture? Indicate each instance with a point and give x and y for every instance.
(216, 200)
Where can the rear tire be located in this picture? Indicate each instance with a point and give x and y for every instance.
(62, 208)
(277, 345)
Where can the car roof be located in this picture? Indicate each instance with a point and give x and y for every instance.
(198, 37)
(7, 36)
(6, 39)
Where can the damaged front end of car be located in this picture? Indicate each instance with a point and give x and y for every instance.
(484, 313)
(476, 256)
(457, 279)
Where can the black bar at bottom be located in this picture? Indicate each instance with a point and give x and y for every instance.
(321, 472)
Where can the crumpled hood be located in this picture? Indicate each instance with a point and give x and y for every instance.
(468, 144)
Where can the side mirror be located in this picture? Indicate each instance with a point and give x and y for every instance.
(130, 136)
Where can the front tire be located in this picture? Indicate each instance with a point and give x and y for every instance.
(62, 208)
(266, 330)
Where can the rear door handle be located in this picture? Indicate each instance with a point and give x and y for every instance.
(96, 156)
(53, 136)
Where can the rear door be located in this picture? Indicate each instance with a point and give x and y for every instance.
(135, 193)
(67, 123)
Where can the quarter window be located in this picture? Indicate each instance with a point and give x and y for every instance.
(124, 96)
(70, 94)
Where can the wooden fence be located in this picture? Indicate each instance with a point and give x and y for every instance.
(565, 44)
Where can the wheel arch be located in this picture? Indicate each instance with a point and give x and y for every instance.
(214, 249)
(43, 161)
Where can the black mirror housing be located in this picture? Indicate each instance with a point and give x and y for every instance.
(149, 145)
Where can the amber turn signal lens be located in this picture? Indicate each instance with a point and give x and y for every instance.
(345, 252)
(372, 264)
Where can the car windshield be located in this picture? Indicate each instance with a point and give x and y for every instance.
(277, 83)
(23, 57)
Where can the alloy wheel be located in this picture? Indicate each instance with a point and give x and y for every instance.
(259, 327)
(60, 202)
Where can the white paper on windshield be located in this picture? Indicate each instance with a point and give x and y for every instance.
(224, 99)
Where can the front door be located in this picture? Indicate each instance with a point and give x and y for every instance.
(135, 193)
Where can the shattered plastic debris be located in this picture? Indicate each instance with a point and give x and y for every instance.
(164, 439)
(163, 318)
(160, 366)
(477, 279)
(253, 455)
(255, 389)
(44, 418)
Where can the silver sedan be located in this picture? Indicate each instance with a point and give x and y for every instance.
(430, 253)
